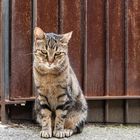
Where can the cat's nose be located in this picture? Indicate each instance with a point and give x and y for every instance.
(50, 62)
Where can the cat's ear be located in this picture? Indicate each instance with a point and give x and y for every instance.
(66, 37)
(38, 33)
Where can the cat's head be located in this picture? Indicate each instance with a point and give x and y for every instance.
(50, 51)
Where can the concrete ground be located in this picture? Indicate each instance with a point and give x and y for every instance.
(91, 132)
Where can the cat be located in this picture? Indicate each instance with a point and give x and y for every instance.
(60, 105)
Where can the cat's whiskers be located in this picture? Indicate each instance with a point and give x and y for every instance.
(25, 74)
(26, 54)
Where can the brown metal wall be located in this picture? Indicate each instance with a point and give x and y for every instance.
(46, 15)
(104, 52)
(0, 54)
(95, 47)
(21, 46)
(115, 46)
(133, 48)
(0, 48)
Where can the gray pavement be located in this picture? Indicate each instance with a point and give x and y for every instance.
(91, 132)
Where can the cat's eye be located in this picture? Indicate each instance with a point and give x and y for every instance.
(43, 54)
(44, 51)
(58, 53)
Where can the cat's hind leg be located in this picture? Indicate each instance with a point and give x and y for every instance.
(70, 119)
(75, 121)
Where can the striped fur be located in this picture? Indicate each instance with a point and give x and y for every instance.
(60, 104)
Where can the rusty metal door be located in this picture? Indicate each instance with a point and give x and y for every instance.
(104, 52)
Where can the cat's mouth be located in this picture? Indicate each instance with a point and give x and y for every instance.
(49, 66)
(44, 69)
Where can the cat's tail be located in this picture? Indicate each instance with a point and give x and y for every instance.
(79, 127)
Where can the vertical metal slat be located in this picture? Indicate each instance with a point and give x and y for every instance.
(84, 34)
(5, 52)
(107, 60)
(126, 60)
(60, 16)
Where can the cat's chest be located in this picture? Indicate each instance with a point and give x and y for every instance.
(52, 87)
(49, 84)
(52, 94)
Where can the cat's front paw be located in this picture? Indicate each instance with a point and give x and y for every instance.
(68, 132)
(62, 133)
(46, 133)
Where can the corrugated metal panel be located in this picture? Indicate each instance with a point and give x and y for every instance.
(133, 48)
(0, 54)
(46, 15)
(0, 48)
(95, 48)
(21, 47)
(115, 54)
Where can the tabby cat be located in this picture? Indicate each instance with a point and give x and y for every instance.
(61, 108)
